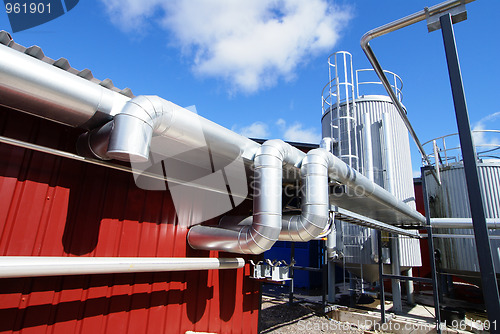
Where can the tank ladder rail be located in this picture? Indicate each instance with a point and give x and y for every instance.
(340, 98)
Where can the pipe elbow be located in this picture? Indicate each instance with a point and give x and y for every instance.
(283, 151)
(367, 37)
(135, 125)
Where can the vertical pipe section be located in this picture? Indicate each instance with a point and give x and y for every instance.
(432, 256)
(315, 202)
(483, 246)
(265, 225)
(381, 277)
(331, 240)
(389, 185)
(368, 169)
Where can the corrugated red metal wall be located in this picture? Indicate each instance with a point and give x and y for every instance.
(51, 206)
(425, 269)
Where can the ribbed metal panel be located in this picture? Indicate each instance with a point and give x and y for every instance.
(50, 206)
(450, 200)
(375, 106)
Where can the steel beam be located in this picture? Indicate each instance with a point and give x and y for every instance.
(486, 265)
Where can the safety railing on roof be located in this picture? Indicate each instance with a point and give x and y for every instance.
(446, 149)
(394, 79)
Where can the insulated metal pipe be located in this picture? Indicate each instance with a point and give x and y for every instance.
(265, 226)
(368, 148)
(389, 155)
(33, 86)
(463, 223)
(145, 117)
(341, 172)
(315, 202)
(369, 173)
(31, 266)
(393, 26)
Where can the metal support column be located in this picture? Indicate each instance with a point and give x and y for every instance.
(397, 304)
(381, 277)
(410, 294)
(486, 265)
(324, 275)
(292, 261)
(430, 242)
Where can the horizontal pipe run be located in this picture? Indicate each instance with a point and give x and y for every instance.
(144, 117)
(457, 236)
(343, 173)
(34, 266)
(462, 223)
(36, 87)
(121, 168)
(408, 278)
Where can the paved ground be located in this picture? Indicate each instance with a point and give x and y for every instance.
(278, 317)
(306, 316)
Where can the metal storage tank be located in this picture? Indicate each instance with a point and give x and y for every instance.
(59, 207)
(457, 247)
(363, 123)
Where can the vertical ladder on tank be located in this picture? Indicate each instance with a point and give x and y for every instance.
(352, 258)
(343, 107)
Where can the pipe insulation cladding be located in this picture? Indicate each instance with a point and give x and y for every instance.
(128, 136)
(265, 225)
(314, 217)
(33, 266)
(44, 90)
(124, 129)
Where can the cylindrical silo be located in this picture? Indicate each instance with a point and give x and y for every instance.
(457, 247)
(382, 152)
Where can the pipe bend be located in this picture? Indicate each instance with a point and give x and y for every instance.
(266, 225)
(367, 37)
(315, 203)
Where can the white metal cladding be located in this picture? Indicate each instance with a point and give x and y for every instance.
(458, 255)
(375, 106)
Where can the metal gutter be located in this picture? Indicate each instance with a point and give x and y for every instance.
(33, 266)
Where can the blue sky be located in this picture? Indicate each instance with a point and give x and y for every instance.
(259, 69)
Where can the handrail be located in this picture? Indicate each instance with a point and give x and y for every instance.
(397, 84)
(453, 158)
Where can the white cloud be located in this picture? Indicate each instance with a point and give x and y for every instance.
(485, 138)
(295, 132)
(257, 130)
(250, 44)
(281, 123)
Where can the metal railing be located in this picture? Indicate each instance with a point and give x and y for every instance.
(396, 82)
(338, 98)
(446, 149)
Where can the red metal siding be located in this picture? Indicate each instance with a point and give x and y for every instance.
(51, 206)
(425, 269)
